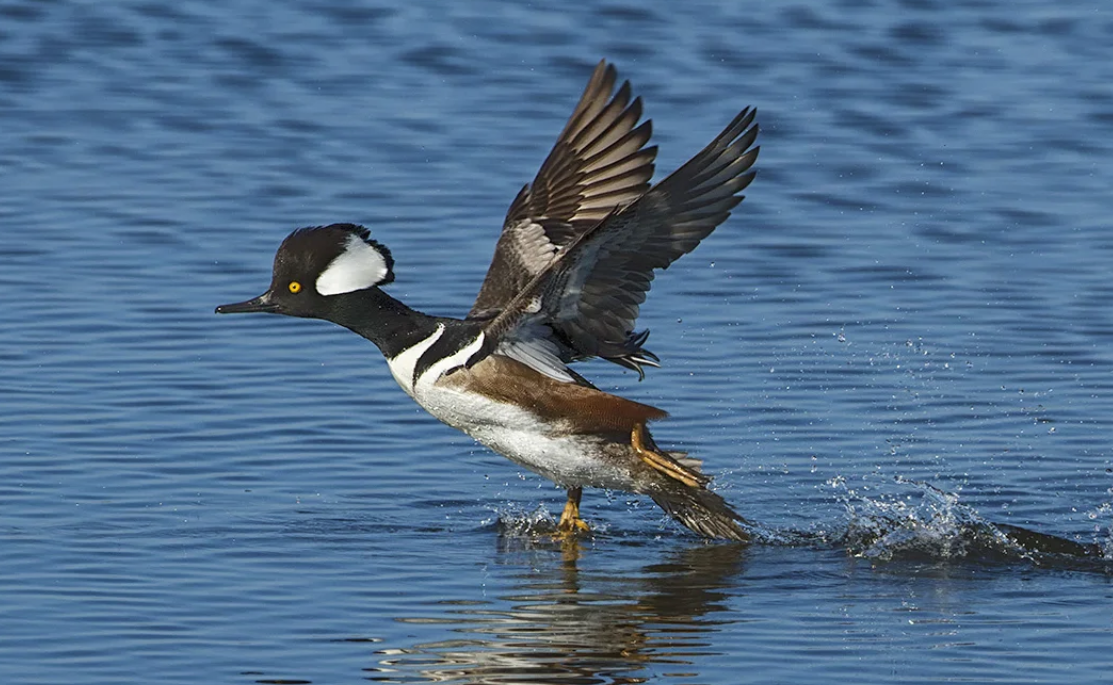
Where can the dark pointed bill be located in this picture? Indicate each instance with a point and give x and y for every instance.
(257, 304)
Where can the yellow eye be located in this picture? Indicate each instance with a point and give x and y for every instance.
(295, 287)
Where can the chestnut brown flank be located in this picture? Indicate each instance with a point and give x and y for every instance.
(580, 408)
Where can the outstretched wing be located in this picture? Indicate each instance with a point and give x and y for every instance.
(590, 295)
(598, 163)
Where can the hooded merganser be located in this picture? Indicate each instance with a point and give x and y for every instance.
(573, 263)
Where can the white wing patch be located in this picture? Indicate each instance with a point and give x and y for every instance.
(358, 267)
(537, 352)
(533, 246)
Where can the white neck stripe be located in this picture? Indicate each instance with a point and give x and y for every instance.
(443, 366)
(403, 365)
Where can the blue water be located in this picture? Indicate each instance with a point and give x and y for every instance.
(903, 335)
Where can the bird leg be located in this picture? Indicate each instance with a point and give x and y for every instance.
(570, 521)
(647, 451)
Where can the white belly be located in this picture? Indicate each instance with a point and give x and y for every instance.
(516, 434)
(508, 429)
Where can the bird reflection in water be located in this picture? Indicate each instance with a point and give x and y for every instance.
(564, 625)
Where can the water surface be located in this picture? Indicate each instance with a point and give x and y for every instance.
(901, 337)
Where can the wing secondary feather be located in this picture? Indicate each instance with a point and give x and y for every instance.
(590, 294)
(599, 162)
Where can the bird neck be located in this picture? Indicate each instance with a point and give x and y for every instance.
(380, 318)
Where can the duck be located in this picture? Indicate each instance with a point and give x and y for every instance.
(572, 266)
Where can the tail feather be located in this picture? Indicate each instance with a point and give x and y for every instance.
(702, 511)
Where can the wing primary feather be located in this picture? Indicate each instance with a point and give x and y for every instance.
(592, 290)
(599, 162)
(584, 238)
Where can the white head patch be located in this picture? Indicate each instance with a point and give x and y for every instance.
(359, 266)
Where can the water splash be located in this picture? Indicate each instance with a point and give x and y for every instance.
(938, 527)
(934, 526)
(1103, 514)
(514, 521)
